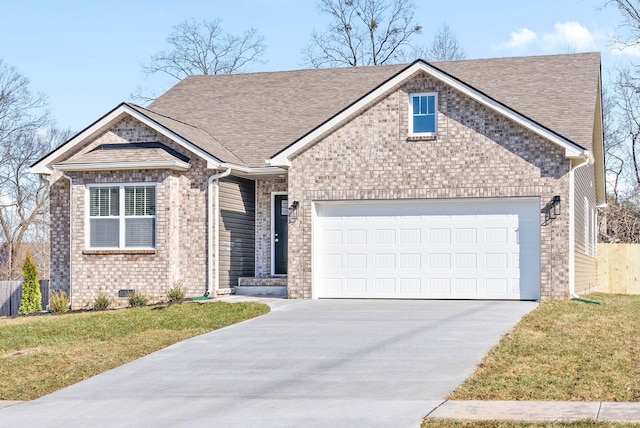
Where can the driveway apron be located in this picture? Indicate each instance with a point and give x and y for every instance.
(308, 363)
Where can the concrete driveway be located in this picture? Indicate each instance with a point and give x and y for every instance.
(313, 363)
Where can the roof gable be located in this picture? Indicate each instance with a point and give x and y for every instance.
(283, 157)
(43, 166)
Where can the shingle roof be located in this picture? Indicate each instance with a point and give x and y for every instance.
(123, 154)
(246, 118)
(557, 91)
(258, 114)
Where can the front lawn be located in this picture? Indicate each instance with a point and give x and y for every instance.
(565, 351)
(41, 354)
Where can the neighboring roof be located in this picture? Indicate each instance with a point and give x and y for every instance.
(111, 157)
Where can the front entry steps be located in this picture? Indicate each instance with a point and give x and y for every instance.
(262, 287)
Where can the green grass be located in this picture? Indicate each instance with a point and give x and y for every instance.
(565, 351)
(42, 354)
(442, 423)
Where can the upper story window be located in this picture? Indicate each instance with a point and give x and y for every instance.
(424, 111)
(122, 216)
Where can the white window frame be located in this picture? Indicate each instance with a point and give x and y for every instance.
(420, 134)
(121, 216)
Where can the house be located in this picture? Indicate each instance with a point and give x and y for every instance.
(475, 179)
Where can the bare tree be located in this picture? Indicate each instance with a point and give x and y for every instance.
(630, 11)
(24, 206)
(614, 143)
(362, 32)
(622, 223)
(445, 46)
(627, 100)
(25, 136)
(203, 48)
(20, 109)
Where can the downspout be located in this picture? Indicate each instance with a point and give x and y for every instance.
(213, 284)
(572, 228)
(70, 237)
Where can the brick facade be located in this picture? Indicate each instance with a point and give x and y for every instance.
(181, 224)
(477, 154)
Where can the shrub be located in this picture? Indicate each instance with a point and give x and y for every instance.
(137, 299)
(102, 302)
(31, 298)
(58, 301)
(176, 293)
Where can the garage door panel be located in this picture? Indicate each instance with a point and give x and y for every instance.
(428, 249)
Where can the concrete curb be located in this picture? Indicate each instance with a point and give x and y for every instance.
(537, 411)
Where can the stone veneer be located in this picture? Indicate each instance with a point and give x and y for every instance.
(181, 224)
(477, 154)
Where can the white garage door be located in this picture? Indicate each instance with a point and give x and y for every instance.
(441, 249)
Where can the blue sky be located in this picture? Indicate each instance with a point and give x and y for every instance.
(86, 55)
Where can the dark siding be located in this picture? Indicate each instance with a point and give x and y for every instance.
(237, 230)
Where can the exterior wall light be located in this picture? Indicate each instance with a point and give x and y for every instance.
(552, 209)
(293, 210)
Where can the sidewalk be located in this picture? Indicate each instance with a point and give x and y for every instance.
(535, 411)
(531, 411)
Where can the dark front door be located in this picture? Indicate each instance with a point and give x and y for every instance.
(281, 220)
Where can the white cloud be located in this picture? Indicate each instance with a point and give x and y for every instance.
(571, 35)
(520, 38)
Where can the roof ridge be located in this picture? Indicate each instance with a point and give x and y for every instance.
(163, 115)
(223, 145)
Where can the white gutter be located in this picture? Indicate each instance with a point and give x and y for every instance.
(70, 236)
(121, 166)
(213, 284)
(572, 227)
(255, 170)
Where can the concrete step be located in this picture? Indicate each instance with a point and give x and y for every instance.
(261, 290)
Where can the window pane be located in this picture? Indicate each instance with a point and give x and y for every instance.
(114, 206)
(129, 200)
(140, 232)
(151, 201)
(93, 201)
(103, 201)
(431, 104)
(104, 233)
(424, 124)
(140, 201)
(416, 105)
